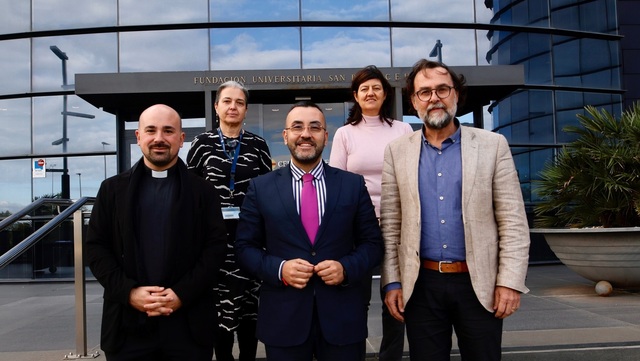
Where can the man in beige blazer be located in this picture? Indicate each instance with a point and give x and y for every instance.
(454, 226)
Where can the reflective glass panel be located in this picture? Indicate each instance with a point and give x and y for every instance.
(72, 14)
(94, 53)
(531, 13)
(586, 62)
(255, 48)
(483, 13)
(15, 64)
(345, 47)
(164, 50)
(248, 10)
(536, 160)
(596, 16)
(458, 46)
(14, 17)
(369, 10)
(15, 177)
(135, 12)
(571, 103)
(83, 134)
(15, 122)
(458, 11)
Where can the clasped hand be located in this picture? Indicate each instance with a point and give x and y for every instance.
(297, 272)
(154, 300)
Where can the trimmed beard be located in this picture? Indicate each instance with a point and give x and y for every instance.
(305, 159)
(438, 122)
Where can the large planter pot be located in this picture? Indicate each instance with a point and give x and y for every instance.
(598, 254)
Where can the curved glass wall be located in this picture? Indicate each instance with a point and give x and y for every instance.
(578, 69)
(569, 50)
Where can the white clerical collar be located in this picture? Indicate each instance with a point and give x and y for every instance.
(160, 174)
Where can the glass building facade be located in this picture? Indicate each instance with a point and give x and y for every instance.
(570, 51)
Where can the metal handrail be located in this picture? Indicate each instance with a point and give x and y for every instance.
(75, 209)
(17, 250)
(30, 208)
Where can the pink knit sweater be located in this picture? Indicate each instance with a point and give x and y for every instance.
(360, 149)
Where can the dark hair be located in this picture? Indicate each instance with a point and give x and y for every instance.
(422, 64)
(305, 104)
(232, 84)
(365, 74)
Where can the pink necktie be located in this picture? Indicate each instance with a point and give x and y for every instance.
(309, 207)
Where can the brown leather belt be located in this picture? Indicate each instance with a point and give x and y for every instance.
(446, 266)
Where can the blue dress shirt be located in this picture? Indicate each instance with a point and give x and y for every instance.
(440, 189)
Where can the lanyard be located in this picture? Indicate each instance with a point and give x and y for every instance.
(232, 175)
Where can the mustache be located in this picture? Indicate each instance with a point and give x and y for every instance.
(159, 145)
(306, 142)
(435, 106)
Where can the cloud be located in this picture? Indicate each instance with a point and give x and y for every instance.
(247, 52)
(345, 47)
(346, 10)
(71, 14)
(136, 12)
(164, 50)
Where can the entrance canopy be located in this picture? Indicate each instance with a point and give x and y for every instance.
(127, 94)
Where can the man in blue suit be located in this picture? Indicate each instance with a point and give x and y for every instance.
(311, 300)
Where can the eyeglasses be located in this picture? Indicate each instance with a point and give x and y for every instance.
(442, 92)
(299, 129)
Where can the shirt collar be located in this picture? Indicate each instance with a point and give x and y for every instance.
(454, 138)
(317, 171)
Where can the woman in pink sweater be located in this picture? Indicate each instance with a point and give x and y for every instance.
(358, 147)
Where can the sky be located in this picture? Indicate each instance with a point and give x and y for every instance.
(31, 127)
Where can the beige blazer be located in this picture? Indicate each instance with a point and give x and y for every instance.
(495, 223)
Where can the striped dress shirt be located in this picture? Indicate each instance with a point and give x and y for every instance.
(318, 183)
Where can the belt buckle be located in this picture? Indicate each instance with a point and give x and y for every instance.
(440, 265)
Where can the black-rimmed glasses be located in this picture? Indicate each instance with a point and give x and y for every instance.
(442, 92)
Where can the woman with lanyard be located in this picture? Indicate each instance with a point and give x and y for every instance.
(229, 157)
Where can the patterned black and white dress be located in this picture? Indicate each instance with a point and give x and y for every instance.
(238, 293)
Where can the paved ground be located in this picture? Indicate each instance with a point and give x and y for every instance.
(560, 319)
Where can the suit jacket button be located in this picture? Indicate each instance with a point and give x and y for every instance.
(313, 253)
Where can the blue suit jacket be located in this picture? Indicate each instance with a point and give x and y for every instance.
(270, 231)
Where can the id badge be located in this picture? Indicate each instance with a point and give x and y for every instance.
(231, 212)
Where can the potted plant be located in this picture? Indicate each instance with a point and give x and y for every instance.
(590, 197)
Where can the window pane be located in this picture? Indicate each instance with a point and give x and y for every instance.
(571, 103)
(586, 63)
(15, 177)
(369, 10)
(15, 64)
(164, 50)
(459, 11)
(458, 46)
(596, 16)
(483, 13)
(135, 12)
(15, 122)
(14, 17)
(84, 135)
(345, 47)
(95, 53)
(253, 49)
(73, 14)
(246, 10)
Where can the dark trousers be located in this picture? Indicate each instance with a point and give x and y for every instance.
(247, 342)
(392, 344)
(316, 345)
(164, 338)
(441, 303)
